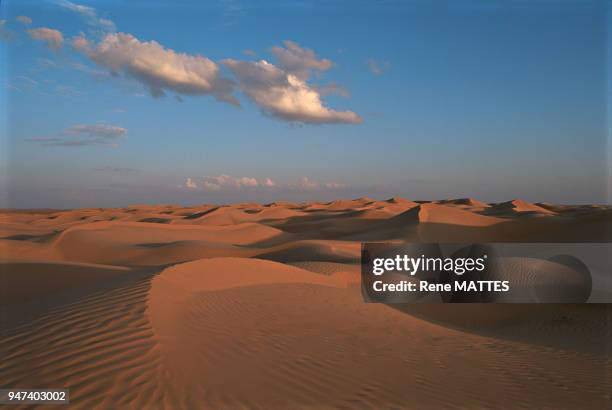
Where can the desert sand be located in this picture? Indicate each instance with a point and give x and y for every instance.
(259, 306)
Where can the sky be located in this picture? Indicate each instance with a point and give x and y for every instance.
(111, 103)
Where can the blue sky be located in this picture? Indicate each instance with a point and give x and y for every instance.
(302, 100)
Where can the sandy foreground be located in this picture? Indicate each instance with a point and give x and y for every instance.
(259, 306)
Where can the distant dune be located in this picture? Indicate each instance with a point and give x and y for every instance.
(259, 306)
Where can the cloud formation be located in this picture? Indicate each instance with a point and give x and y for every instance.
(227, 183)
(284, 95)
(282, 91)
(52, 37)
(160, 69)
(310, 185)
(299, 61)
(24, 19)
(189, 184)
(269, 183)
(90, 14)
(83, 135)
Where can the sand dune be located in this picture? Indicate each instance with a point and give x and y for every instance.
(344, 205)
(23, 281)
(519, 206)
(100, 345)
(400, 200)
(103, 242)
(260, 306)
(440, 214)
(329, 268)
(429, 223)
(222, 216)
(467, 202)
(314, 250)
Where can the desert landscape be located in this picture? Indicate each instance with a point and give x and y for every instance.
(194, 196)
(259, 306)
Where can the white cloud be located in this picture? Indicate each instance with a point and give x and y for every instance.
(247, 182)
(217, 183)
(210, 186)
(299, 61)
(82, 135)
(52, 37)
(308, 184)
(107, 24)
(84, 10)
(81, 43)
(284, 95)
(281, 91)
(269, 183)
(229, 183)
(90, 14)
(189, 184)
(158, 68)
(24, 19)
(378, 67)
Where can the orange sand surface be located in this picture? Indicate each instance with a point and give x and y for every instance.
(259, 306)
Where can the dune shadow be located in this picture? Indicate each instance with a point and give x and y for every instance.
(200, 214)
(156, 220)
(14, 314)
(47, 237)
(578, 327)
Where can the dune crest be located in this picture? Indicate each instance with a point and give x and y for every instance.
(470, 202)
(441, 214)
(518, 205)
